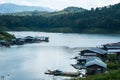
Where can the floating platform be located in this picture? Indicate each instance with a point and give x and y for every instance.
(61, 73)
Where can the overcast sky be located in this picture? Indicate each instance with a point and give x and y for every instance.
(60, 4)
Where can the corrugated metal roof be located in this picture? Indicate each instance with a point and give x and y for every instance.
(98, 50)
(92, 58)
(96, 62)
(112, 47)
(114, 51)
(77, 66)
(112, 44)
(87, 54)
(81, 57)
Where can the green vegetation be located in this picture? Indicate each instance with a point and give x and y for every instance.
(112, 74)
(99, 20)
(6, 36)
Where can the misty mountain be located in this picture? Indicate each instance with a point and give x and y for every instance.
(47, 14)
(12, 8)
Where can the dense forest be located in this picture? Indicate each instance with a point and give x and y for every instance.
(100, 20)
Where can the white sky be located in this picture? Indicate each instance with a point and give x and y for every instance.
(60, 4)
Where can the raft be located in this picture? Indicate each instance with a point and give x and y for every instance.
(61, 73)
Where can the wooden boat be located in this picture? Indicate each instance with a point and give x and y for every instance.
(61, 73)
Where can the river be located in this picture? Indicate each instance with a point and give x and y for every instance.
(30, 61)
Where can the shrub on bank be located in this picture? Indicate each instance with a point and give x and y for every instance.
(6, 36)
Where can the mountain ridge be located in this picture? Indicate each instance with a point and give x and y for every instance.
(100, 20)
(67, 10)
(11, 8)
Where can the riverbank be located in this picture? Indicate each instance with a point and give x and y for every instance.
(6, 36)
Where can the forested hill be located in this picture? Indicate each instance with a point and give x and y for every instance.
(99, 20)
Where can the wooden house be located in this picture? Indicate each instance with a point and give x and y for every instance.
(29, 39)
(111, 46)
(81, 61)
(95, 52)
(4, 43)
(17, 41)
(116, 52)
(42, 38)
(95, 66)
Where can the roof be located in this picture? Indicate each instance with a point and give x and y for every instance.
(41, 37)
(88, 54)
(112, 45)
(96, 61)
(77, 66)
(29, 37)
(81, 57)
(98, 50)
(92, 58)
(114, 51)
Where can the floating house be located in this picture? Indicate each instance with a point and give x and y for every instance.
(111, 46)
(95, 66)
(95, 52)
(17, 41)
(4, 43)
(39, 39)
(82, 60)
(29, 39)
(116, 52)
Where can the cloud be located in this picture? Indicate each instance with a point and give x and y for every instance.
(2, 1)
(56, 4)
(20, 2)
(60, 4)
(92, 3)
(24, 2)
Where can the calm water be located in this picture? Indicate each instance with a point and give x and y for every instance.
(30, 61)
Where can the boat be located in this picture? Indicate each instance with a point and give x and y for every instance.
(61, 73)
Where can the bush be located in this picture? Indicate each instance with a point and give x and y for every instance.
(6, 36)
(112, 75)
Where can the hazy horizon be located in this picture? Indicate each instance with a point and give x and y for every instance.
(61, 4)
